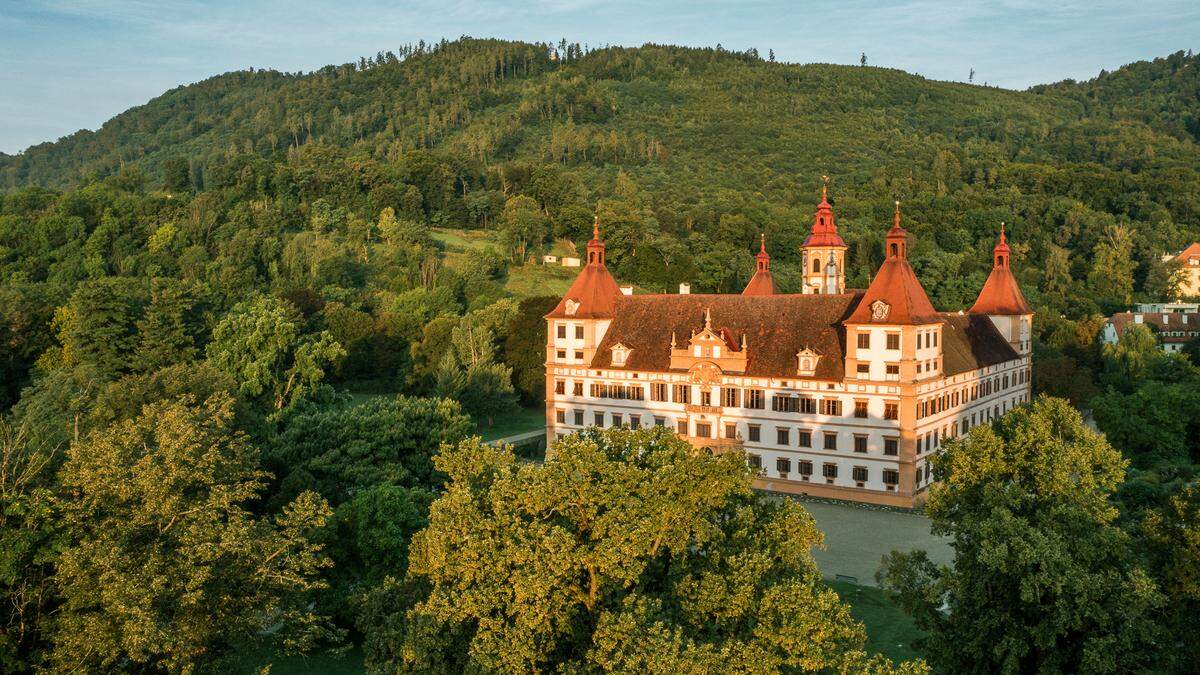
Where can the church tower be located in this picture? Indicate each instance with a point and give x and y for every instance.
(823, 253)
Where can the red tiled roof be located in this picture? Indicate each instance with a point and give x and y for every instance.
(762, 283)
(1001, 295)
(897, 286)
(776, 327)
(1188, 253)
(1166, 323)
(594, 289)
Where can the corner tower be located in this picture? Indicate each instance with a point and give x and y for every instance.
(823, 253)
(762, 283)
(1001, 300)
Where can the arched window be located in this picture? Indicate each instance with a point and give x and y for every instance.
(895, 249)
(816, 265)
(1000, 260)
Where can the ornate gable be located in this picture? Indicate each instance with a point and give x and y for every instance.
(709, 345)
(806, 362)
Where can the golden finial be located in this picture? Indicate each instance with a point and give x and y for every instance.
(824, 186)
(596, 227)
(762, 242)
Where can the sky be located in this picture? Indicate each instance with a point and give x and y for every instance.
(67, 65)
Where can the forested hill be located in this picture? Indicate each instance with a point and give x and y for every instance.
(493, 101)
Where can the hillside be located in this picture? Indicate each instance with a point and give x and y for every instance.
(263, 181)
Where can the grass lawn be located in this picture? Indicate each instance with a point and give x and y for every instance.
(535, 279)
(889, 630)
(524, 419)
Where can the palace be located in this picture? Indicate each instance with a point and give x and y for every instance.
(832, 392)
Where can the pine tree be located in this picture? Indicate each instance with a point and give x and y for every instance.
(164, 338)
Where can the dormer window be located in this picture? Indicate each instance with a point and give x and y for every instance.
(806, 362)
(572, 306)
(620, 354)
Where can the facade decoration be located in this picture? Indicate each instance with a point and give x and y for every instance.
(833, 392)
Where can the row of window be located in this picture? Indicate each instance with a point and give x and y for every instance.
(829, 471)
(930, 440)
(562, 332)
(730, 397)
(892, 340)
(965, 395)
(703, 429)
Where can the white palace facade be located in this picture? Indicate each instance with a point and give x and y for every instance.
(831, 392)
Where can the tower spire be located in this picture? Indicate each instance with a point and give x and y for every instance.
(824, 187)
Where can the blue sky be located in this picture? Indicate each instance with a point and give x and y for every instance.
(72, 64)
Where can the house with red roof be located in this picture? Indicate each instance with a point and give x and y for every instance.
(831, 392)
(1189, 261)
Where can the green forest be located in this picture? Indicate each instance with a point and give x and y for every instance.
(250, 329)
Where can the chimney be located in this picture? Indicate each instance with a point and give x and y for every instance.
(685, 288)
(627, 290)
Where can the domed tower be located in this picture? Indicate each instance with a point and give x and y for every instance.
(823, 253)
(1002, 302)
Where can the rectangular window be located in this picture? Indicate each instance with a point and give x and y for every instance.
(560, 416)
(703, 429)
(808, 405)
(783, 465)
(934, 335)
(893, 341)
(578, 418)
(863, 368)
(560, 354)
(860, 444)
(785, 404)
(804, 438)
(782, 436)
(831, 406)
(681, 426)
(660, 421)
(577, 389)
(681, 393)
(635, 421)
(578, 332)
(830, 440)
(562, 331)
(893, 369)
(859, 474)
(729, 397)
(599, 419)
(706, 398)
(860, 409)
(754, 461)
(754, 432)
(616, 417)
(730, 431)
(891, 411)
(829, 470)
(891, 476)
(658, 391)
(891, 446)
(864, 340)
(755, 399)
(804, 467)
(578, 356)
(560, 387)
